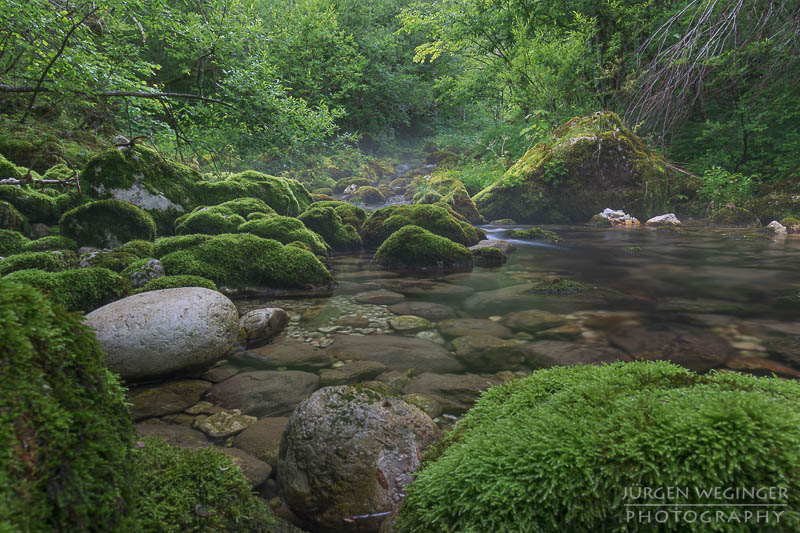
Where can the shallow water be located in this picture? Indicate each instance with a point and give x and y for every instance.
(703, 298)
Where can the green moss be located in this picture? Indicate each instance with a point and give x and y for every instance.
(285, 230)
(183, 489)
(600, 221)
(36, 207)
(51, 242)
(83, 289)
(59, 172)
(116, 261)
(9, 169)
(790, 222)
(12, 242)
(412, 247)
(451, 191)
(65, 430)
(326, 222)
(48, 261)
(734, 217)
(536, 234)
(247, 260)
(139, 248)
(343, 184)
(775, 206)
(285, 196)
(107, 224)
(209, 221)
(322, 191)
(488, 256)
(559, 286)
(166, 245)
(368, 195)
(11, 218)
(436, 219)
(349, 213)
(555, 451)
(175, 282)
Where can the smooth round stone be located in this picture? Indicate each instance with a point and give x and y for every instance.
(380, 297)
(456, 393)
(533, 321)
(463, 327)
(352, 372)
(409, 324)
(259, 325)
(263, 439)
(224, 424)
(428, 310)
(423, 287)
(173, 434)
(486, 353)
(254, 470)
(264, 392)
(166, 398)
(161, 333)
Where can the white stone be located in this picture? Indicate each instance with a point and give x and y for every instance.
(160, 333)
(619, 218)
(776, 227)
(260, 325)
(664, 220)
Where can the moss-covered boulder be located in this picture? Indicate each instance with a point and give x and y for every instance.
(244, 260)
(176, 282)
(434, 218)
(560, 449)
(286, 196)
(223, 218)
(368, 195)
(113, 260)
(285, 230)
(414, 248)
(349, 213)
(792, 224)
(734, 217)
(534, 234)
(488, 256)
(776, 205)
(166, 245)
(9, 169)
(11, 218)
(12, 242)
(65, 432)
(51, 242)
(139, 248)
(107, 224)
(83, 289)
(450, 190)
(344, 183)
(34, 205)
(53, 261)
(142, 271)
(593, 162)
(441, 157)
(326, 222)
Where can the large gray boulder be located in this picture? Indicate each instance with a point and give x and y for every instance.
(347, 455)
(166, 332)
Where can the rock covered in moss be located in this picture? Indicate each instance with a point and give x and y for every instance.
(176, 282)
(285, 196)
(346, 183)
(285, 230)
(12, 242)
(166, 245)
(433, 218)
(326, 222)
(412, 247)
(34, 205)
(348, 452)
(9, 169)
(534, 234)
(594, 161)
(367, 195)
(792, 224)
(113, 260)
(51, 242)
(82, 289)
(349, 213)
(487, 256)
(775, 205)
(139, 248)
(223, 218)
(161, 333)
(243, 260)
(11, 218)
(141, 272)
(47, 261)
(451, 191)
(107, 224)
(734, 217)
(64, 425)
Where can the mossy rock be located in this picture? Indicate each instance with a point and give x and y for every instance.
(285, 230)
(51, 242)
(415, 248)
(449, 190)
(599, 221)
(176, 282)
(534, 234)
(83, 289)
(115, 260)
(344, 183)
(11, 218)
(35, 206)
(166, 245)
(593, 162)
(430, 147)
(107, 224)
(488, 256)
(12, 242)
(368, 195)
(792, 224)
(48, 261)
(145, 178)
(555, 451)
(441, 157)
(285, 196)
(223, 218)
(139, 248)
(350, 214)
(196, 489)
(65, 430)
(775, 206)
(59, 172)
(734, 217)
(9, 169)
(326, 222)
(434, 218)
(244, 260)
(322, 191)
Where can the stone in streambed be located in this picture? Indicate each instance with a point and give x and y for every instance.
(395, 352)
(224, 424)
(258, 326)
(533, 321)
(264, 392)
(166, 398)
(409, 324)
(544, 354)
(462, 327)
(664, 220)
(485, 353)
(254, 470)
(455, 392)
(427, 310)
(380, 297)
(352, 372)
(263, 439)
(173, 434)
(286, 353)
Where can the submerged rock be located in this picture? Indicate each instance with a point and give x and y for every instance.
(396, 352)
(263, 439)
(348, 452)
(428, 310)
(264, 392)
(462, 327)
(152, 401)
(485, 353)
(456, 393)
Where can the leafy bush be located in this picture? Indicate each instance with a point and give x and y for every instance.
(555, 451)
(720, 187)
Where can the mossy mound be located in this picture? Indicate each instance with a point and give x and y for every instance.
(792, 224)
(107, 224)
(139, 248)
(450, 190)
(415, 248)
(115, 261)
(34, 205)
(12, 242)
(242, 260)
(434, 218)
(58, 172)
(223, 218)
(557, 450)
(166, 245)
(599, 221)
(593, 162)
(350, 214)
(534, 234)
(441, 157)
(51, 242)
(488, 256)
(285, 196)
(176, 282)
(83, 289)
(65, 431)
(734, 217)
(326, 222)
(775, 206)
(184, 489)
(344, 183)
(47, 261)
(9, 169)
(368, 195)
(285, 230)
(11, 218)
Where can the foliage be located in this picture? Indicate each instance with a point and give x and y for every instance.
(720, 187)
(82, 289)
(556, 450)
(65, 431)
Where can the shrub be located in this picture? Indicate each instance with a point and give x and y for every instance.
(83, 289)
(720, 187)
(555, 451)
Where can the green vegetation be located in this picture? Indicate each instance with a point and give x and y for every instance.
(47, 261)
(734, 217)
(175, 282)
(166, 245)
(115, 260)
(434, 218)
(208, 220)
(449, 189)
(720, 187)
(367, 195)
(34, 205)
(413, 248)
(12, 242)
(285, 196)
(326, 222)
(107, 224)
(535, 234)
(65, 430)
(556, 449)
(488, 256)
(349, 213)
(12, 219)
(51, 242)
(83, 289)
(139, 248)
(285, 230)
